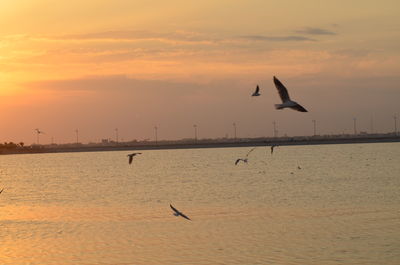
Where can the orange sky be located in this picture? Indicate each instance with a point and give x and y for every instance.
(99, 65)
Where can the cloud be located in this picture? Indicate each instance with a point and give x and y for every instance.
(135, 35)
(315, 31)
(275, 38)
(187, 37)
(353, 52)
(112, 83)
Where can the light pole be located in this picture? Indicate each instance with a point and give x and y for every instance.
(315, 127)
(77, 136)
(195, 132)
(38, 132)
(372, 125)
(355, 125)
(155, 132)
(234, 130)
(275, 131)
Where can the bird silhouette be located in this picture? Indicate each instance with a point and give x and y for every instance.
(131, 156)
(178, 213)
(286, 101)
(257, 92)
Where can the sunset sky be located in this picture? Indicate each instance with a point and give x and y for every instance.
(97, 65)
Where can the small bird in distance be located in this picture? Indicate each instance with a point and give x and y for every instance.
(272, 148)
(131, 156)
(178, 213)
(286, 101)
(245, 159)
(240, 159)
(257, 92)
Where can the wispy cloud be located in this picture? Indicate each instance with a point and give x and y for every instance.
(112, 83)
(275, 38)
(315, 31)
(188, 37)
(135, 35)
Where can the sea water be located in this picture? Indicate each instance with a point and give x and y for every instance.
(317, 204)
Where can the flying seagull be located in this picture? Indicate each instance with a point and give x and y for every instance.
(131, 156)
(257, 92)
(178, 213)
(286, 101)
(245, 159)
(251, 150)
(240, 159)
(272, 148)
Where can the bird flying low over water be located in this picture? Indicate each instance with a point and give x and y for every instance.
(178, 213)
(272, 148)
(245, 159)
(131, 156)
(240, 159)
(257, 92)
(286, 101)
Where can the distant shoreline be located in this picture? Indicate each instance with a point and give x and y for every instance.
(164, 145)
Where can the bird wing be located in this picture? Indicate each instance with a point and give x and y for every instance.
(248, 153)
(298, 107)
(283, 93)
(130, 159)
(272, 148)
(184, 216)
(175, 210)
(1, 190)
(257, 89)
(237, 161)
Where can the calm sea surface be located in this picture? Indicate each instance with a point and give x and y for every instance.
(342, 206)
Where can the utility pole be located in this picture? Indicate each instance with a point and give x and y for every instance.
(372, 125)
(155, 132)
(275, 131)
(234, 130)
(195, 132)
(77, 136)
(355, 125)
(38, 132)
(315, 127)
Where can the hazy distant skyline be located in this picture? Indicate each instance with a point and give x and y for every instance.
(98, 65)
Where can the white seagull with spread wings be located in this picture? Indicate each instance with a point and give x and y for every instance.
(286, 101)
(178, 213)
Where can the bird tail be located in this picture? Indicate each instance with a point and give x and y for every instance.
(278, 106)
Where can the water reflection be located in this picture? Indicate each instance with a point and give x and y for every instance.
(95, 208)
